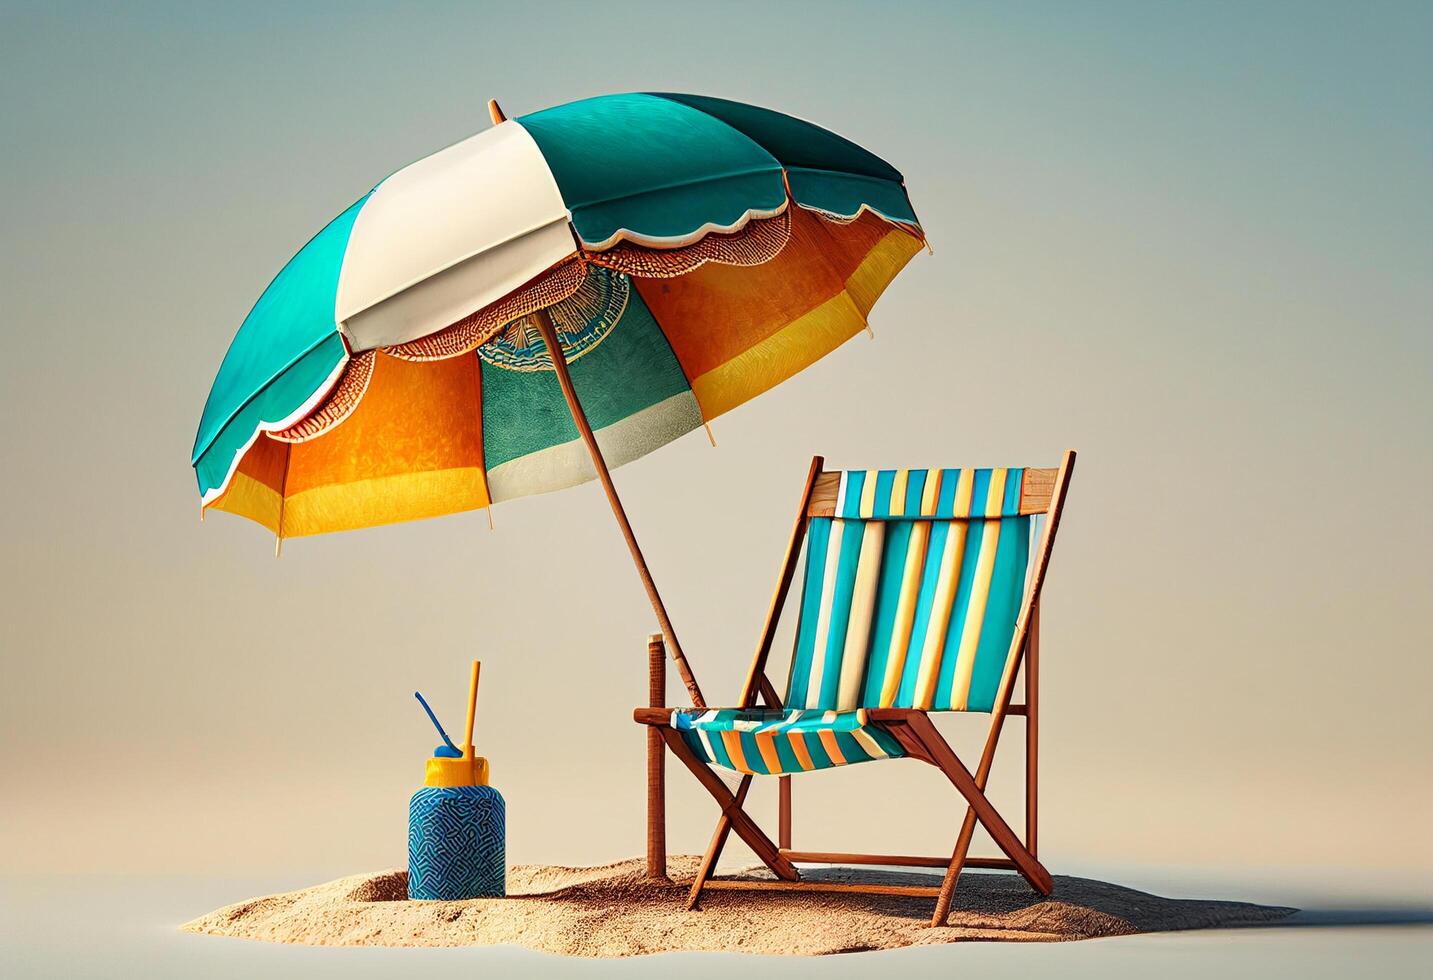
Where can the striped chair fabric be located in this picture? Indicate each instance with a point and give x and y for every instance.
(910, 599)
(771, 742)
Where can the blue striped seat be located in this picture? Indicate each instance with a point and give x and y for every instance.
(771, 742)
(913, 585)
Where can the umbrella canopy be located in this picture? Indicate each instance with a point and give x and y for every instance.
(688, 253)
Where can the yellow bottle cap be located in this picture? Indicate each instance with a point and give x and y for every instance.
(456, 772)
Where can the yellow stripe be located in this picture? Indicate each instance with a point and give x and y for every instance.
(979, 595)
(909, 594)
(931, 493)
(863, 606)
(947, 579)
(250, 498)
(732, 743)
(798, 746)
(905, 612)
(880, 266)
(898, 493)
(933, 650)
(795, 346)
(766, 745)
(964, 488)
(868, 494)
(872, 747)
(807, 338)
(779, 731)
(383, 500)
(995, 499)
(833, 749)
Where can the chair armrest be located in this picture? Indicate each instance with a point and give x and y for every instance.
(663, 716)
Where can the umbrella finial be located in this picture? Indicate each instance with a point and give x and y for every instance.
(496, 111)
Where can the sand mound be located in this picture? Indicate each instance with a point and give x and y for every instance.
(614, 911)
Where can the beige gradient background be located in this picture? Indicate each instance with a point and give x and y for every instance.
(1192, 242)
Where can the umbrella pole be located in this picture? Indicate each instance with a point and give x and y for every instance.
(559, 362)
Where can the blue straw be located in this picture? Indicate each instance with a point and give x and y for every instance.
(436, 724)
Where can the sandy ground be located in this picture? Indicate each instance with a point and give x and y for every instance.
(614, 911)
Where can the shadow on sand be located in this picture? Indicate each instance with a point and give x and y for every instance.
(1363, 916)
(1004, 894)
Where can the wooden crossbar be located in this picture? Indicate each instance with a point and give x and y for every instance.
(892, 860)
(1037, 491)
(922, 891)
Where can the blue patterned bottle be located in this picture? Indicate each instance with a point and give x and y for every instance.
(457, 833)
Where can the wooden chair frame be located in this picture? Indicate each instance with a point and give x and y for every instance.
(1043, 492)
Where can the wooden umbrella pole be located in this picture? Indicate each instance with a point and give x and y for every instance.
(559, 362)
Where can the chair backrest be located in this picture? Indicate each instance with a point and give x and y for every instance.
(914, 586)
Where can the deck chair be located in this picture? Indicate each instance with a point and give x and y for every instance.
(921, 593)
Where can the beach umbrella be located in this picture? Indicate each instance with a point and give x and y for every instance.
(563, 292)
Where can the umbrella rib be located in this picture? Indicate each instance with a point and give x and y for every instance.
(482, 450)
(283, 496)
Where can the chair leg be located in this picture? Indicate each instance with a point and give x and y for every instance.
(744, 826)
(980, 807)
(783, 832)
(1032, 728)
(719, 836)
(953, 870)
(967, 826)
(656, 762)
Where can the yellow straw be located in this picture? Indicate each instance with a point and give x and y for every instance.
(472, 710)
